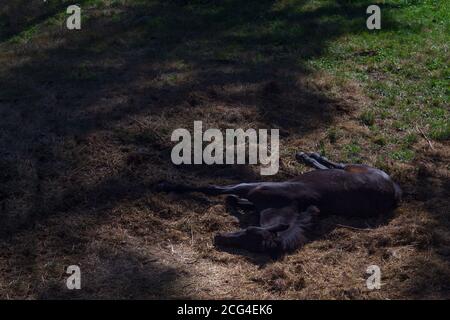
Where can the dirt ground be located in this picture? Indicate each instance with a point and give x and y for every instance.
(85, 125)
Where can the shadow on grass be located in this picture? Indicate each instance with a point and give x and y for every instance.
(123, 275)
(18, 16)
(174, 61)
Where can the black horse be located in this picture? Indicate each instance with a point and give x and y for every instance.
(288, 209)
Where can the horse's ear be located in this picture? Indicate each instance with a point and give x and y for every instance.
(278, 227)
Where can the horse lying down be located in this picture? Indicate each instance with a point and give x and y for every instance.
(288, 209)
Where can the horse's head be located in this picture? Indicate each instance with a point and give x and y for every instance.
(255, 239)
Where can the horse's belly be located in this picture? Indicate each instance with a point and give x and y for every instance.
(357, 203)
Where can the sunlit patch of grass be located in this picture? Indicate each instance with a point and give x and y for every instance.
(379, 140)
(440, 129)
(410, 139)
(403, 155)
(403, 70)
(353, 152)
(368, 118)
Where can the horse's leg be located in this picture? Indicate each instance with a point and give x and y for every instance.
(282, 230)
(296, 235)
(237, 202)
(306, 159)
(241, 189)
(255, 239)
(324, 161)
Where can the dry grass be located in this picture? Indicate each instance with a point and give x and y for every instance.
(85, 134)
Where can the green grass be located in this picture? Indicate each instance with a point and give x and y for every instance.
(404, 70)
(86, 119)
(403, 155)
(352, 152)
(403, 67)
(368, 118)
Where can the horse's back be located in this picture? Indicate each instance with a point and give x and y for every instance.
(357, 190)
